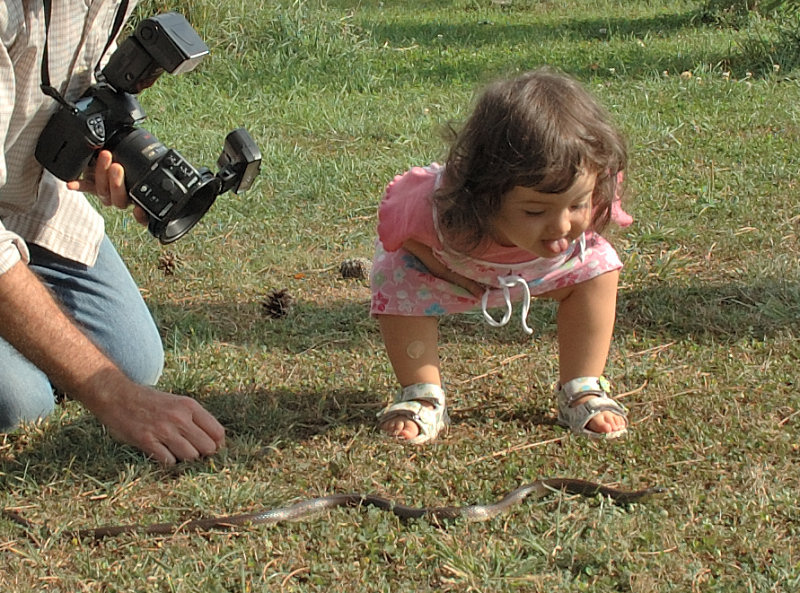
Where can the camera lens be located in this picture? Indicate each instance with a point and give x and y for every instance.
(137, 150)
(175, 227)
(174, 193)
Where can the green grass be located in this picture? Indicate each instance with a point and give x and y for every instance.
(341, 97)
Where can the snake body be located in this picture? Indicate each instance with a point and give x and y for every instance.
(314, 506)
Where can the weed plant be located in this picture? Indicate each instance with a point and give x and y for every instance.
(341, 96)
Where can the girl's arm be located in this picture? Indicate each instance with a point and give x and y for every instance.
(425, 254)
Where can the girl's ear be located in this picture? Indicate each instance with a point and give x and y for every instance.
(618, 215)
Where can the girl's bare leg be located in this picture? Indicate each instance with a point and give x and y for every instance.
(586, 314)
(412, 344)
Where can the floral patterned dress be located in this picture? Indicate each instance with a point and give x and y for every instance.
(402, 285)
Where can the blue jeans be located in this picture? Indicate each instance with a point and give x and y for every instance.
(105, 301)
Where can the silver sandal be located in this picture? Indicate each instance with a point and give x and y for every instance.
(577, 417)
(408, 406)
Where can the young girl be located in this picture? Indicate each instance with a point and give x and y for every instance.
(516, 211)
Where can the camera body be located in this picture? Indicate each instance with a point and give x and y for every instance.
(169, 188)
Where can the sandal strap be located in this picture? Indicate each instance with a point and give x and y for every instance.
(421, 392)
(576, 417)
(580, 387)
(408, 403)
(599, 404)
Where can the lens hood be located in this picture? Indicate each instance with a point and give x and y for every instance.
(186, 215)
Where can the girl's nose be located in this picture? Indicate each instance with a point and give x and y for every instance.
(561, 223)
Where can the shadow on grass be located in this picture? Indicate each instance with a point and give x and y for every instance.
(489, 412)
(719, 312)
(629, 61)
(51, 451)
(485, 32)
(335, 324)
(271, 415)
(724, 312)
(80, 446)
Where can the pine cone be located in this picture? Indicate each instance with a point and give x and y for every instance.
(357, 268)
(168, 262)
(277, 304)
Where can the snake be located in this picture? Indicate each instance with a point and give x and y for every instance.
(313, 506)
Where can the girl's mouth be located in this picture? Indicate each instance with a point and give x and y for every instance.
(556, 246)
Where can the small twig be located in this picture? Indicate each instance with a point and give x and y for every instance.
(19, 519)
(29, 526)
(653, 350)
(352, 441)
(699, 578)
(267, 566)
(515, 448)
(637, 390)
(494, 371)
(293, 573)
(666, 397)
(659, 552)
(684, 461)
(318, 345)
(289, 376)
(318, 270)
(409, 48)
(789, 417)
(306, 271)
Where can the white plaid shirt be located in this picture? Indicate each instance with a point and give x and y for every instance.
(35, 206)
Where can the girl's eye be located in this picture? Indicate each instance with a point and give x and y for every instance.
(530, 213)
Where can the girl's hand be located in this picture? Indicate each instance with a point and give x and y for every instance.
(425, 254)
(107, 182)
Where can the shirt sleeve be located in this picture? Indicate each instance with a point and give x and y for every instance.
(406, 211)
(12, 247)
(12, 250)
(7, 36)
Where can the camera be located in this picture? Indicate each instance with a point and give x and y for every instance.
(175, 194)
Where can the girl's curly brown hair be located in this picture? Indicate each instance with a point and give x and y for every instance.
(540, 130)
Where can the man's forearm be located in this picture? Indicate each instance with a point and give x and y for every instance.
(33, 322)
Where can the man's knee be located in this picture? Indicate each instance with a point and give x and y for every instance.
(146, 368)
(24, 397)
(138, 352)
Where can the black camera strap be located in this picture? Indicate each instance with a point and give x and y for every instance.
(49, 90)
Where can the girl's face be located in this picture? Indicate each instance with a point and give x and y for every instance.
(545, 224)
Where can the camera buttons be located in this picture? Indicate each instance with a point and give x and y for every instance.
(97, 127)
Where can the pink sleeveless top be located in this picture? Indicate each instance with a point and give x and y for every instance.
(401, 285)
